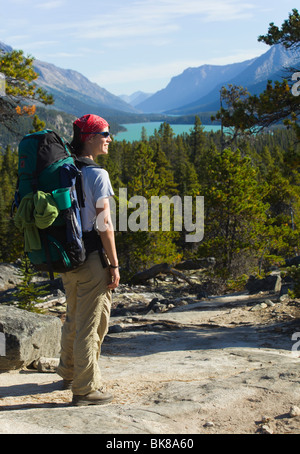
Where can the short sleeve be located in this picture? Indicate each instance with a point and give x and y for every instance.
(102, 186)
(96, 186)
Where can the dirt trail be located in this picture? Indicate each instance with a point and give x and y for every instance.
(223, 365)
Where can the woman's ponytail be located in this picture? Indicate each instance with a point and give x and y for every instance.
(76, 143)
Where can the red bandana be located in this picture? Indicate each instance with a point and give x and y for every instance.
(90, 123)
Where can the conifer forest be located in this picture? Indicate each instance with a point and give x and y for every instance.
(250, 187)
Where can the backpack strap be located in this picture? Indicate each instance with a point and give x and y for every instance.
(92, 240)
(45, 242)
(82, 161)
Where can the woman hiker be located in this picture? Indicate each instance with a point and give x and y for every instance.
(88, 288)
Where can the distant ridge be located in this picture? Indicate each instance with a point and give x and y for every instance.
(69, 85)
(73, 92)
(200, 87)
(136, 98)
(191, 85)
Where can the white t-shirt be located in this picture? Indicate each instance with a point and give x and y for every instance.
(96, 186)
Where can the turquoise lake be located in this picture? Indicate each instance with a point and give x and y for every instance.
(134, 130)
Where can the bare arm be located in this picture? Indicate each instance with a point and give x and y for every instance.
(107, 234)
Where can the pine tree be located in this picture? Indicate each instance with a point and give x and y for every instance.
(19, 86)
(283, 199)
(126, 151)
(144, 136)
(148, 247)
(277, 102)
(235, 212)
(29, 294)
(143, 172)
(164, 173)
(184, 171)
(166, 135)
(38, 125)
(197, 144)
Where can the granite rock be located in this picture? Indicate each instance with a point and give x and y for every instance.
(28, 336)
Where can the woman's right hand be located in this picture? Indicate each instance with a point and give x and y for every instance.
(115, 278)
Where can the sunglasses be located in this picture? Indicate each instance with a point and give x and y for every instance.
(104, 134)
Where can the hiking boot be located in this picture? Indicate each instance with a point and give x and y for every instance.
(67, 384)
(99, 397)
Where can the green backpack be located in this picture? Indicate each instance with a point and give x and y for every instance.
(48, 200)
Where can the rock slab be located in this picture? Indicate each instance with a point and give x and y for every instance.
(208, 367)
(28, 337)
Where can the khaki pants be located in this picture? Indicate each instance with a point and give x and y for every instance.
(87, 319)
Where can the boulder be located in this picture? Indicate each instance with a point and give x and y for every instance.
(271, 283)
(9, 276)
(294, 261)
(28, 337)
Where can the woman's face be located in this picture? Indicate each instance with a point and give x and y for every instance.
(100, 143)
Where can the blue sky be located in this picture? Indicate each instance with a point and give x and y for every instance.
(130, 45)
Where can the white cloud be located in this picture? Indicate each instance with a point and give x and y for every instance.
(35, 45)
(137, 18)
(88, 50)
(11, 40)
(159, 17)
(213, 10)
(50, 5)
(64, 55)
(127, 30)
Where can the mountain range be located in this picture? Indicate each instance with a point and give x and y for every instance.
(136, 97)
(194, 91)
(67, 85)
(75, 94)
(198, 89)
